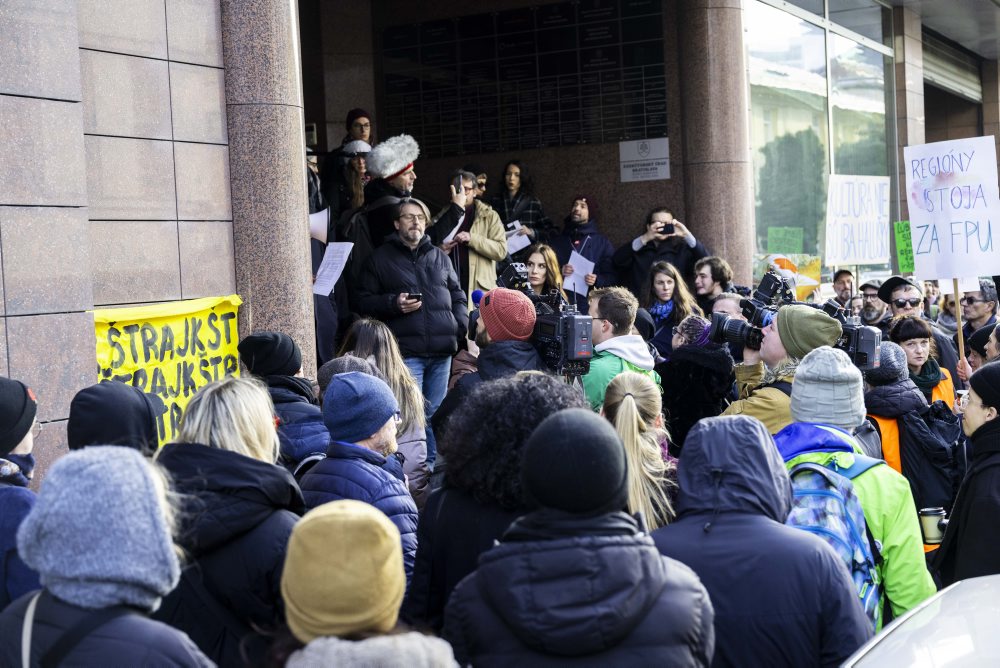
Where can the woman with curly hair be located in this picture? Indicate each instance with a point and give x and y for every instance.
(482, 490)
(669, 301)
(372, 339)
(632, 405)
(915, 336)
(515, 201)
(544, 275)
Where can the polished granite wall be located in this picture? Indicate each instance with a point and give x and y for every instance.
(114, 178)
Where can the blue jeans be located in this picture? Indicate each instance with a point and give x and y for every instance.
(431, 374)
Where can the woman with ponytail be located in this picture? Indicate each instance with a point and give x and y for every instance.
(632, 404)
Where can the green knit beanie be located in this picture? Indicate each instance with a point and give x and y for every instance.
(804, 328)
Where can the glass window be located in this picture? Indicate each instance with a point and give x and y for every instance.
(789, 132)
(857, 81)
(814, 6)
(864, 17)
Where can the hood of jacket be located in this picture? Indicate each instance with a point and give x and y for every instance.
(414, 650)
(505, 358)
(225, 493)
(894, 400)
(730, 465)
(631, 348)
(809, 437)
(574, 231)
(289, 389)
(578, 592)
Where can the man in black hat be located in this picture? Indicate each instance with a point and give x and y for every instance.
(905, 297)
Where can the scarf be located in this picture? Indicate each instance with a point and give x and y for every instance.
(928, 378)
(661, 311)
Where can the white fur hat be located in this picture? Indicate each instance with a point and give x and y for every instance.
(392, 157)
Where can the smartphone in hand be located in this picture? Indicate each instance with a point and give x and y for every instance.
(415, 296)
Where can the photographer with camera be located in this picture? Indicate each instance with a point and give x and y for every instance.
(764, 379)
(616, 349)
(663, 239)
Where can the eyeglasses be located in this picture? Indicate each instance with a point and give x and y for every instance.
(901, 303)
(676, 331)
(363, 126)
(36, 429)
(480, 184)
(971, 301)
(410, 217)
(869, 296)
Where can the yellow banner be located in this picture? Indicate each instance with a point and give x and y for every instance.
(170, 350)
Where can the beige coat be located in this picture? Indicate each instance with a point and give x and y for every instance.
(487, 246)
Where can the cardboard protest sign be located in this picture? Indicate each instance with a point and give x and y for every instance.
(170, 350)
(904, 246)
(952, 194)
(785, 239)
(857, 220)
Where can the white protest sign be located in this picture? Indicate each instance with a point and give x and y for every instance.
(857, 220)
(952, 193)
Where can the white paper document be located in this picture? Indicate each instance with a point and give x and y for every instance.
(332, 266)
(516, 242)
(581, 267)
(319, 223)
(451, 235)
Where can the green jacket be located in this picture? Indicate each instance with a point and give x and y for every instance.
(621, 353)
(891, 517)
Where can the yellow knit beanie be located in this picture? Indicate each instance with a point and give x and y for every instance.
(343, 572)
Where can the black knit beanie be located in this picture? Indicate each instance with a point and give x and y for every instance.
(270, 354)
(574, 461)
(980, 338)
(986, 382)
(17, 413)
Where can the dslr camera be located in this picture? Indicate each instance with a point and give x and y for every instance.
(860, 342)
(562, 335)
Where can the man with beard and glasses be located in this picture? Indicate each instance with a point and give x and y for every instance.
(874, 311)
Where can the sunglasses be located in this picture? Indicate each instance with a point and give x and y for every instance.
(972, 301)
(901, 303)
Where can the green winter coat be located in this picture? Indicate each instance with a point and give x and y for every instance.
(891, 517)
(618, 354)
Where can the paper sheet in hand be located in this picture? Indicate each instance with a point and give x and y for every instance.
(581, 267)
(451, 235)
(332, 266)
(516, 242)
(512, 228)
(319, 223)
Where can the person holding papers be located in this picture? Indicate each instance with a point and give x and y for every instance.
(515, 201)
(471, 233)
(584, 253)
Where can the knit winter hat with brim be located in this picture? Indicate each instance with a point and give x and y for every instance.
(17, 413)
(804, 328)
(97, 534)
(343, 572)
(891, 366)
(828, 389)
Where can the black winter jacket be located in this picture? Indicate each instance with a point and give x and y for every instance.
(238, 515)
(971, 544)
(434, 328)
(782, 597)
(499, 359)
(454, 530)
(563, 590)
(301, 431)
(633, 266)
(129, 640)
(591, 244)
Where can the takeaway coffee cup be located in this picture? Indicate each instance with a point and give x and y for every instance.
(932, 524)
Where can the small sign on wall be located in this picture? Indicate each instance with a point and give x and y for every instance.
(644, 160)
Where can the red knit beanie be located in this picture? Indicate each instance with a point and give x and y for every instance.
(507, 314)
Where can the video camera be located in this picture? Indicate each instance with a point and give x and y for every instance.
(562, 336)
(860, 342)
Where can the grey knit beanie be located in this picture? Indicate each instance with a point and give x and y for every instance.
(891, 366)
(827, 389)
(97, 535)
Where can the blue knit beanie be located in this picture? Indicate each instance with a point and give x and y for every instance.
(356, 406)
(97, 535)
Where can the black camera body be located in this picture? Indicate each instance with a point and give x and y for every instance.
(860, 342)
(562, 335)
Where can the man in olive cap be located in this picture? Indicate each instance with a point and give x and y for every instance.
(765, 377)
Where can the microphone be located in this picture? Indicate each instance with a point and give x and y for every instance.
(477, 295)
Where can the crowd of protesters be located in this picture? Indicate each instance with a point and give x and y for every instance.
(438, 497)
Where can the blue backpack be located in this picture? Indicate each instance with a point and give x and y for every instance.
(826, 505)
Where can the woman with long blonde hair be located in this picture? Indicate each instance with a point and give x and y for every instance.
(632, 404)
(373, 340)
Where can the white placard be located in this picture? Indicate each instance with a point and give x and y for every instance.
(332, 266)
(857, 220)
(644, 160)
(952, 194)
(581, 267)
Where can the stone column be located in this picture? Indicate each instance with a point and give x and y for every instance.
(267, 166)
(717, 170)
(910, 119)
